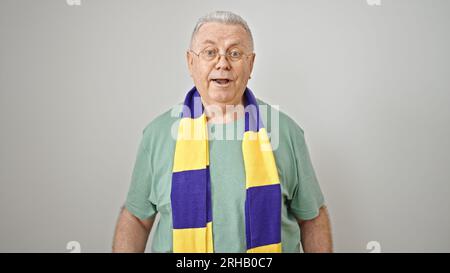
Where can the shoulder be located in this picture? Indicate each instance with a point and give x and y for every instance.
(276, 120)
(288, 143)
(159, 129)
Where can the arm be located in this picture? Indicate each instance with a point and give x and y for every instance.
(131, 232)
(316, 233)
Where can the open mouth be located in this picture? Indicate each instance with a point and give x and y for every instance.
(221, 82)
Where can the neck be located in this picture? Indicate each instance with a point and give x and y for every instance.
(219, 113)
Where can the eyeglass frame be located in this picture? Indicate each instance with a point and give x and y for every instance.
(218, 54)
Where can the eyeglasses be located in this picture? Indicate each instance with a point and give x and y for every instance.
(210, 54)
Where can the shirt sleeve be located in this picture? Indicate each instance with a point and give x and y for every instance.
(138, 202)
(307, 198)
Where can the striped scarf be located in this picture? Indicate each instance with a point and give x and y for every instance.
(191, 186)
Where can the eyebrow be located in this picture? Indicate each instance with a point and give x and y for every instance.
(208, 42)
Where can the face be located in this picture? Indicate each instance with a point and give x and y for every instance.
(221, 81)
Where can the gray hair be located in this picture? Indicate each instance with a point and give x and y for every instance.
(224, 17)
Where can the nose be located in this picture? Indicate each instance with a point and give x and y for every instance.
(223, 62)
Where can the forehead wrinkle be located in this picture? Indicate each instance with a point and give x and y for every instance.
(222, 34)
(227, 45)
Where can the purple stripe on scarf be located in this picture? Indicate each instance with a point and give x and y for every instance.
(253, 120)
(192, 107)
(263, 215)
(191, 198)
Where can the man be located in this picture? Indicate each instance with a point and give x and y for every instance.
(216, 195)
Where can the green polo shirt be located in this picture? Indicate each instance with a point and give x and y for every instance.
(149, 192)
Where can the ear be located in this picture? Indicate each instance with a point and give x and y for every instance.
(252, 61)
(189, 60)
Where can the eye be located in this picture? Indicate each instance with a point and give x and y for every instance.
(235, 54)
(210, 52)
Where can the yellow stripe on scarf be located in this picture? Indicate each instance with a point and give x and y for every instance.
(192, 141)
(258, 159)
(192, 240)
